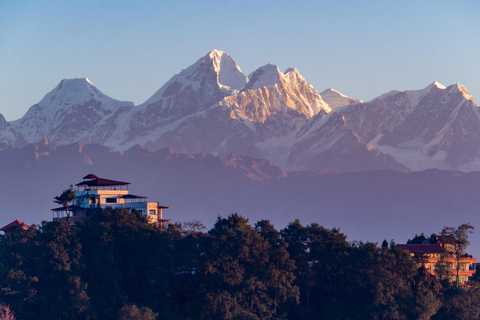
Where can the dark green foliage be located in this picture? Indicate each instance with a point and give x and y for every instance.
(65, 199)
(385, 244)
(245, 275)
(418, 239)
(117, 266)
(132, 312)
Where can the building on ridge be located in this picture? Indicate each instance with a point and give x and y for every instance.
(14, 228)
(94, 192)
(433, 249)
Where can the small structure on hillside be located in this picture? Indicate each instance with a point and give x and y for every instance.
(439, 252)
(14, 228)
(94, 192)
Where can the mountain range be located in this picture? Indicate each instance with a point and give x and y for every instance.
(212, 107)
(268, 145)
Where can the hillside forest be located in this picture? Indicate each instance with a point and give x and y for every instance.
(118, 266)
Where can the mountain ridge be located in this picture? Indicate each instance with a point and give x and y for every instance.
(202, 187)
(212, 107)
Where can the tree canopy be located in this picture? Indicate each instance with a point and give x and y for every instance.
(118, 266)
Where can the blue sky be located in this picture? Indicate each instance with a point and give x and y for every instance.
(129, 49)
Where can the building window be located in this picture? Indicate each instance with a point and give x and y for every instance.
(111, 200)
(152, 212)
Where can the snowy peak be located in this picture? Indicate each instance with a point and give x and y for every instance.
(72, 92)
(199, 86)
(3, 123)
(437, 85)
(337, 99)
(414, 96)
(75, 84)
(8, 135)
(76, 90)
(459, 88)
(229, 74)
(266, 76)
(271, 94)
(68, 112)
(434, 127)
(294, 78)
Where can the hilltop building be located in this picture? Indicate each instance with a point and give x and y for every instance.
(94, 192)
(14, 228)
(440, 250)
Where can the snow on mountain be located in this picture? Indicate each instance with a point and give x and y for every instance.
(10, 136)
(266, 76)
(336, 99)
(329, 143)
(261, 120)
(68, 113)
(194, 113)
(198, 87)
(211, 107)
(188, 94)
(270, 92)
(435, 127)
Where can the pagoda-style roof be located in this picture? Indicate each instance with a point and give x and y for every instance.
(15, 224)
(100, 182)
(90, 176)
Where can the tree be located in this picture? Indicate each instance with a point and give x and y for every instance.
(418, 239)
(281, 274)
(385, 244)
(459, 242)
(65, 199)
(378, 283)
(132, 312)
(321, 257)
(428, 294)
(120, 249)
(6, 313)
(240, 276)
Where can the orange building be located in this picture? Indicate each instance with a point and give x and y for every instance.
(440, 254)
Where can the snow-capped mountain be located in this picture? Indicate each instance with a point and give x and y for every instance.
(261, 120)
(436, 127)
(191, 92)
(270, 92)
(330, 143)
(10, 136)
(336, 99)
(196, 88)
(211, 107)
(68, 113)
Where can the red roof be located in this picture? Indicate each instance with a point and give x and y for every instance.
(90, 176)
(14, 224)
(425, 248)
(100, 182)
